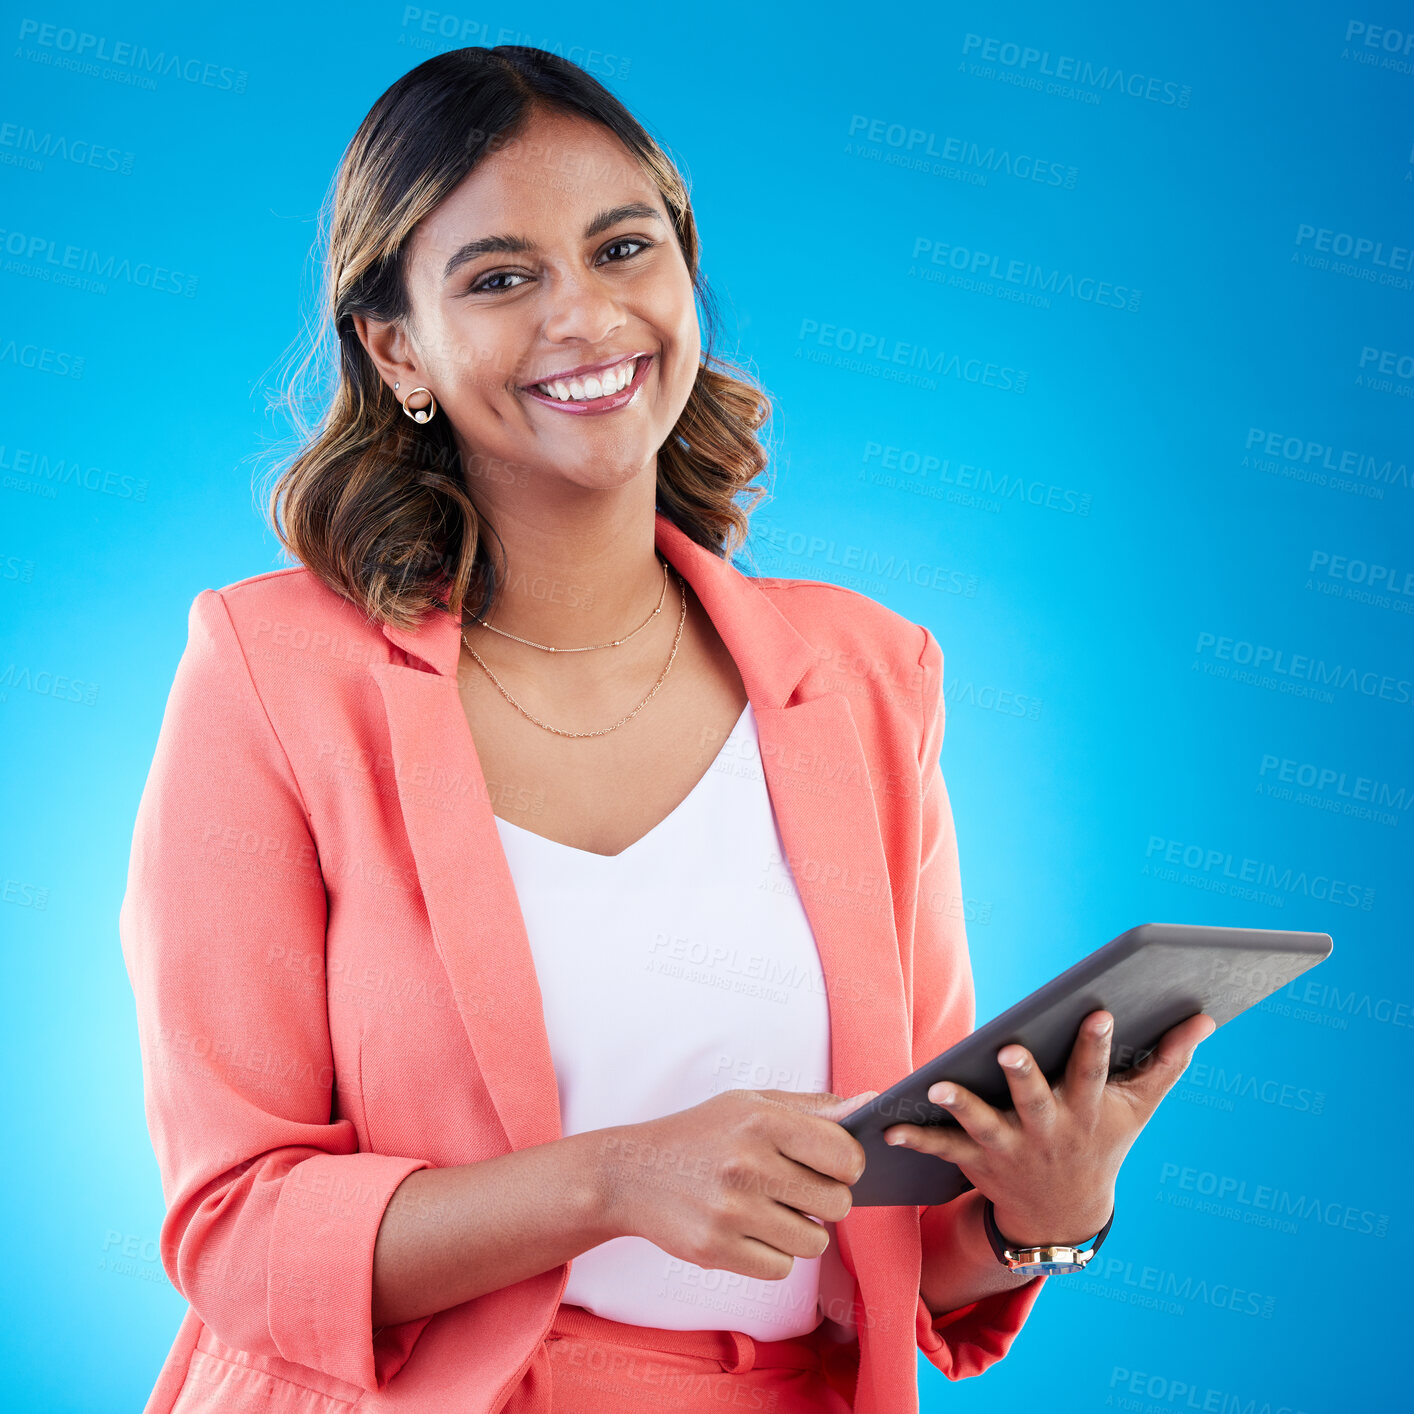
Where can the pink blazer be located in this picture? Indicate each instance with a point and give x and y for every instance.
(334, 986)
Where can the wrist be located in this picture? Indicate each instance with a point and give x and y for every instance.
(1070, 1230)
(599, 1192)
(610, 1164)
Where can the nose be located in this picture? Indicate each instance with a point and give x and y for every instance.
(581, 308)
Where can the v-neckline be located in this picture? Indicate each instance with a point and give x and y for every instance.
(649, 834)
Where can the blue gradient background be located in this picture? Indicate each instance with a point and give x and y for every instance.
(1112, 732)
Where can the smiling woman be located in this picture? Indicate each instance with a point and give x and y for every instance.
(463, 949)
(490, 205)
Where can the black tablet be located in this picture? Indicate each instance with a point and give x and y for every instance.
(1149, 979)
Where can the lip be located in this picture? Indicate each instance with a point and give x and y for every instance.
(599, 405)
(563, 375)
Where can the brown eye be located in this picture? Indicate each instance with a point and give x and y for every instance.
(628, 240)
(485, 282)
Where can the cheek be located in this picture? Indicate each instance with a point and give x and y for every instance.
(687, 343)
(668, 306)
(473, 350)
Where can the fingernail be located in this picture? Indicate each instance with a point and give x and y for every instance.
(896, 1139)
(942, 1094)
(1104, 1027)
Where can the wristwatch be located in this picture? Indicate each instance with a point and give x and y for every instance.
(1039, 1261)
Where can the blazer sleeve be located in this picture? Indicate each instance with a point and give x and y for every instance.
(272, 1213)
(966, 1341)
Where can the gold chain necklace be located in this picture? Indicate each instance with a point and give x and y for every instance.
(604, 731)
(614, 643)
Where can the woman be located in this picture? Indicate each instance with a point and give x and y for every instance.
(518, 887)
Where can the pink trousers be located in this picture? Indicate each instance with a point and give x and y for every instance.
(590, 1365)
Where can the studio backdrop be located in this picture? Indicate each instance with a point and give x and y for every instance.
(1088, 333)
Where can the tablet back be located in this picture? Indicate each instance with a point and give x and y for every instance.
(1150, 978)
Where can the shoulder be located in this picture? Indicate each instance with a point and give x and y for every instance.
(282, 620)
(831, 614)
(862, 646)
(295, 590)
(279, 605)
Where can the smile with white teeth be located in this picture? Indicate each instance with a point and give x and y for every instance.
(585, 390)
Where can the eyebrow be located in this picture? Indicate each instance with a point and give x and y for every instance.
(519, 245)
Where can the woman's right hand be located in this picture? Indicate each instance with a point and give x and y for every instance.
(727, 1185)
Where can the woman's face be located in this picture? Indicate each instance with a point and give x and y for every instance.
(555, 255)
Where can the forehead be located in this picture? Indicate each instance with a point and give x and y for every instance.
(545, 183)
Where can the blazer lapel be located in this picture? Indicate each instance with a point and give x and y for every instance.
(819, 779)
(468, 890)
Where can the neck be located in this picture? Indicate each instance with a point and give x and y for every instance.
(574, 574)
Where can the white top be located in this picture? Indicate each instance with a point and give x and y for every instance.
(680, 968)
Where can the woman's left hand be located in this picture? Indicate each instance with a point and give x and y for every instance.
(1049, 1164)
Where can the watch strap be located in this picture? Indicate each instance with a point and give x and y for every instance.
(1039, 1253)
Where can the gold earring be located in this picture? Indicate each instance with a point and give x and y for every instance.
(420, 414)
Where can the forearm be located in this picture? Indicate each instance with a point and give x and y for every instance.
(451, 1234)
(959, 1265)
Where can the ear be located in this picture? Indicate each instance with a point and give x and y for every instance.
(387, 344)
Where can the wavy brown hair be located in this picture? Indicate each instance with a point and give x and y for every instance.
(377, 506)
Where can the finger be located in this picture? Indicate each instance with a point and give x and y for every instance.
(1151, 1079)
(785, 1182)
(750, 1257)
(943, 1141)
(787, 1231)
(988, 1126)
(808, 1191)
(1089, 1065)
(1031, 1095)
(820, 1144)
